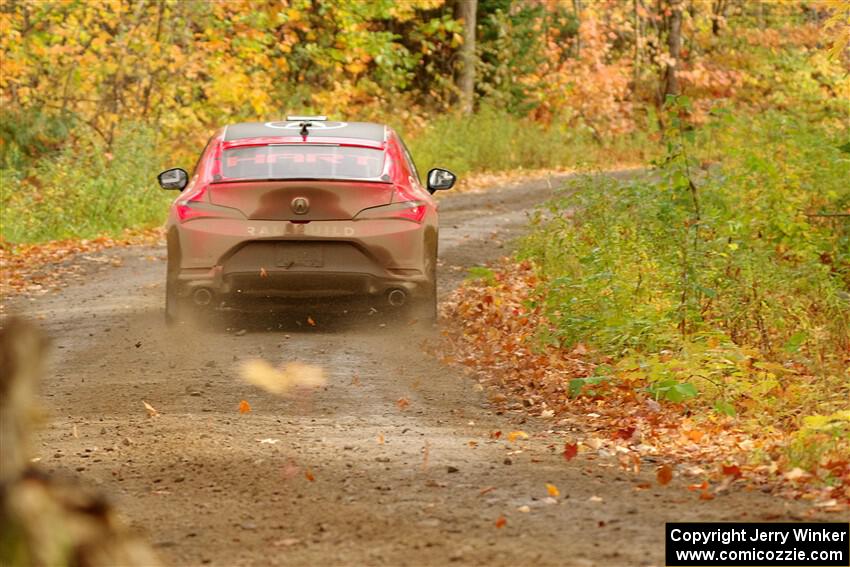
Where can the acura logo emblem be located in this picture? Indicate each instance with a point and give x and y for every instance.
(300, 205)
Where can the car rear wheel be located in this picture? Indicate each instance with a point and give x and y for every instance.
(176, 308)
(424, 309)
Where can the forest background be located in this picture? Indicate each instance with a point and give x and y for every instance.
(98, 96)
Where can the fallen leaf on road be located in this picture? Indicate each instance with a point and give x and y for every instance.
(286, 542)
(705, 495)
(514, 435)
(263, 273)
(695, 435)
(796, 474)
(664, 474)
(262, 374)
(552, 490)
(151, 410)
(402, 403)
(244, 407)
(702, 486)
(268, 441)
(625, 434)
(570, 451)
(308, 474)
(484, 491)
(501, 521)
(731, 470)
(311, 322)
(380, 439)
(76, 432)
(495, 434)
(524, 509)
(596, 499)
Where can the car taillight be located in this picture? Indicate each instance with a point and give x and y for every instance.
(409, 210)
(186, 211)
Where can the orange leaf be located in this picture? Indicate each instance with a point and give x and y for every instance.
(625, 434)
(695, 435)
(552, 490)
(570, 451)
(495, 434)
(501, 521)
(514, 435)
(402, 403)
(244, 407)
(702, 486)
(380, 439)
(705, 495)
(731, 470)
(664, 474)
(308, 474)
(151, 412)
(311, 322)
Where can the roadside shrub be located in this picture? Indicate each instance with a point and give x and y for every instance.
(711, 279)
(87, 189)
(494, 140)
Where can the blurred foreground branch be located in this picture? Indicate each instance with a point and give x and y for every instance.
(44, 521)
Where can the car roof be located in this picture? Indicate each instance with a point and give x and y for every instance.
(288, 128)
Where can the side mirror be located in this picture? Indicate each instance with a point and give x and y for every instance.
(175, 178)
(440, 180)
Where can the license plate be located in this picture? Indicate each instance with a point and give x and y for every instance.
(299, 256)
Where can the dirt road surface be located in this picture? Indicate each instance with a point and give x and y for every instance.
(388, 485)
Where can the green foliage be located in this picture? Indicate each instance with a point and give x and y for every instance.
(482, 273)
(86, 190)
(494, 140)
(512, 45)
(711, 277)
(821, 438)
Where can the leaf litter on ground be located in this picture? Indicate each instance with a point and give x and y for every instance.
(489, 329)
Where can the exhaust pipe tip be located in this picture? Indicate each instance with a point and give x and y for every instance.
(202, 297)
(397, 297)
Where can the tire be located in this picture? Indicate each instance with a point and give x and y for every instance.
(424, 309)
(177, 309)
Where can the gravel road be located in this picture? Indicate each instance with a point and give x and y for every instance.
(345, 475)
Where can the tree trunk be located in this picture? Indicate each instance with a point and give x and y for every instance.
(466, 81)
(577, 8)
(637, 62)
(674, 45)
(718, 10)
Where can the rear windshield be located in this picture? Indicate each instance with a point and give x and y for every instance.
(302, 162)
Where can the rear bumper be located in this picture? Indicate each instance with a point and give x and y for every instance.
(292, 285)
(281, 261)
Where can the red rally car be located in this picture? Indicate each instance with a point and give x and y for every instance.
(301, 211)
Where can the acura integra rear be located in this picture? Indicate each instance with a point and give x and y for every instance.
(302, 211)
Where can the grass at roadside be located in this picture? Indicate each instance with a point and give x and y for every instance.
(710, 288)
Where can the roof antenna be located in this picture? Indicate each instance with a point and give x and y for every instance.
(304, 128)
